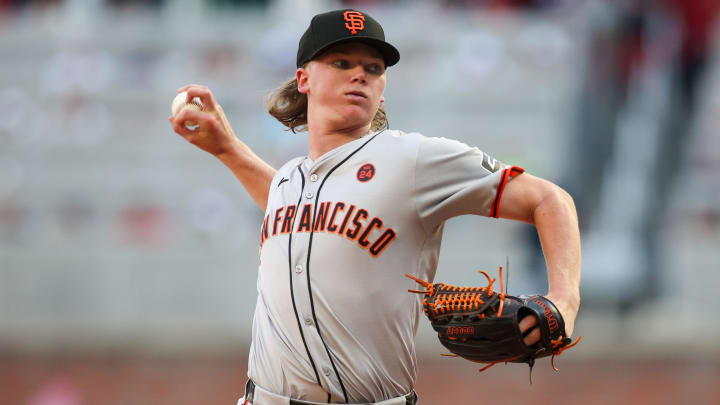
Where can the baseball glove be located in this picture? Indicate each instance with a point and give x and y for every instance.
(482, 325)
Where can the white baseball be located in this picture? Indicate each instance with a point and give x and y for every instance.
(180, 103)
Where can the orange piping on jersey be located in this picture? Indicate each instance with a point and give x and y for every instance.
(505, 177)
(498, 191)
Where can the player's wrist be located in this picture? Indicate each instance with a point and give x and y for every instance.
(567, 289)
(569, 297)
(233, 151)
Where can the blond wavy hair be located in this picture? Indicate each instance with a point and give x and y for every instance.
(289, 106)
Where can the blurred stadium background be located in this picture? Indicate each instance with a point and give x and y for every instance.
(127, 256)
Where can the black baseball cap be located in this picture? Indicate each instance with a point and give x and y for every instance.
(339, 26)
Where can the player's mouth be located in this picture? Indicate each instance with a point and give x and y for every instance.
(358, 95)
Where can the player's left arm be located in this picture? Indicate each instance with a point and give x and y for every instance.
(551, 209)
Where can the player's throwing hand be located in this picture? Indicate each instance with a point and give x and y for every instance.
(212, 132)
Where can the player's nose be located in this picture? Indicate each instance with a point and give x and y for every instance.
(358, 74)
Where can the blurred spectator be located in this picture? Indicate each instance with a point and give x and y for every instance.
(364, 3)
(519, 4)
(145, 224)
(238, 3)
(20, 4)
(136, 3)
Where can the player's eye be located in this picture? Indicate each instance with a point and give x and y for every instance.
(375, 68)
(342, 64)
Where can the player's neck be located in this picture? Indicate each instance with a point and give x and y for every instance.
(323, 139)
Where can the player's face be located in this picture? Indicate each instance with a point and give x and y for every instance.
(344, 85)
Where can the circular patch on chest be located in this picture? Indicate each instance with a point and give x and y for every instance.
(366, 172)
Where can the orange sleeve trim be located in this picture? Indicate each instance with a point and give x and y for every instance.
(505, 177)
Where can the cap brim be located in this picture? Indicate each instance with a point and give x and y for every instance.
(390, 54)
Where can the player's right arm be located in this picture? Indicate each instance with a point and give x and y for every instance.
(215, 136)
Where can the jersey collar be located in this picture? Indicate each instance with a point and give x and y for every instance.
(329, 158)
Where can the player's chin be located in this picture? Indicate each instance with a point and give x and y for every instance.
(357, 114)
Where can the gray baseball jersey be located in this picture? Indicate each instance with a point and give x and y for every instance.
(334, 321)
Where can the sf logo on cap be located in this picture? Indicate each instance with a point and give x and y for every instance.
(354, 21)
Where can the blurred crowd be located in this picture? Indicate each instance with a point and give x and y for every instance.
(106, 218)
(645, 74)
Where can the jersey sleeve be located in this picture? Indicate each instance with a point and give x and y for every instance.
(452, 179)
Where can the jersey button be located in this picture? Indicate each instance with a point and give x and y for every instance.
(313, 177)
(308, 321)
(298, 269)
(309, 194)
(326, 371)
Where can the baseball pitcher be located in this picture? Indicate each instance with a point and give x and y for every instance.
(334, 322)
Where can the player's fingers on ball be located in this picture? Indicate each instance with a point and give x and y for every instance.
(190, 135)
(200, 91)
(532, 337)
(196, 90)
(527, 323)
(180, 129)
(184, 118)
(188, 86)
(175, 125)
(205, 96)
(194, 116)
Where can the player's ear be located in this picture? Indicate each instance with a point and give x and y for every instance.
(301, 75)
